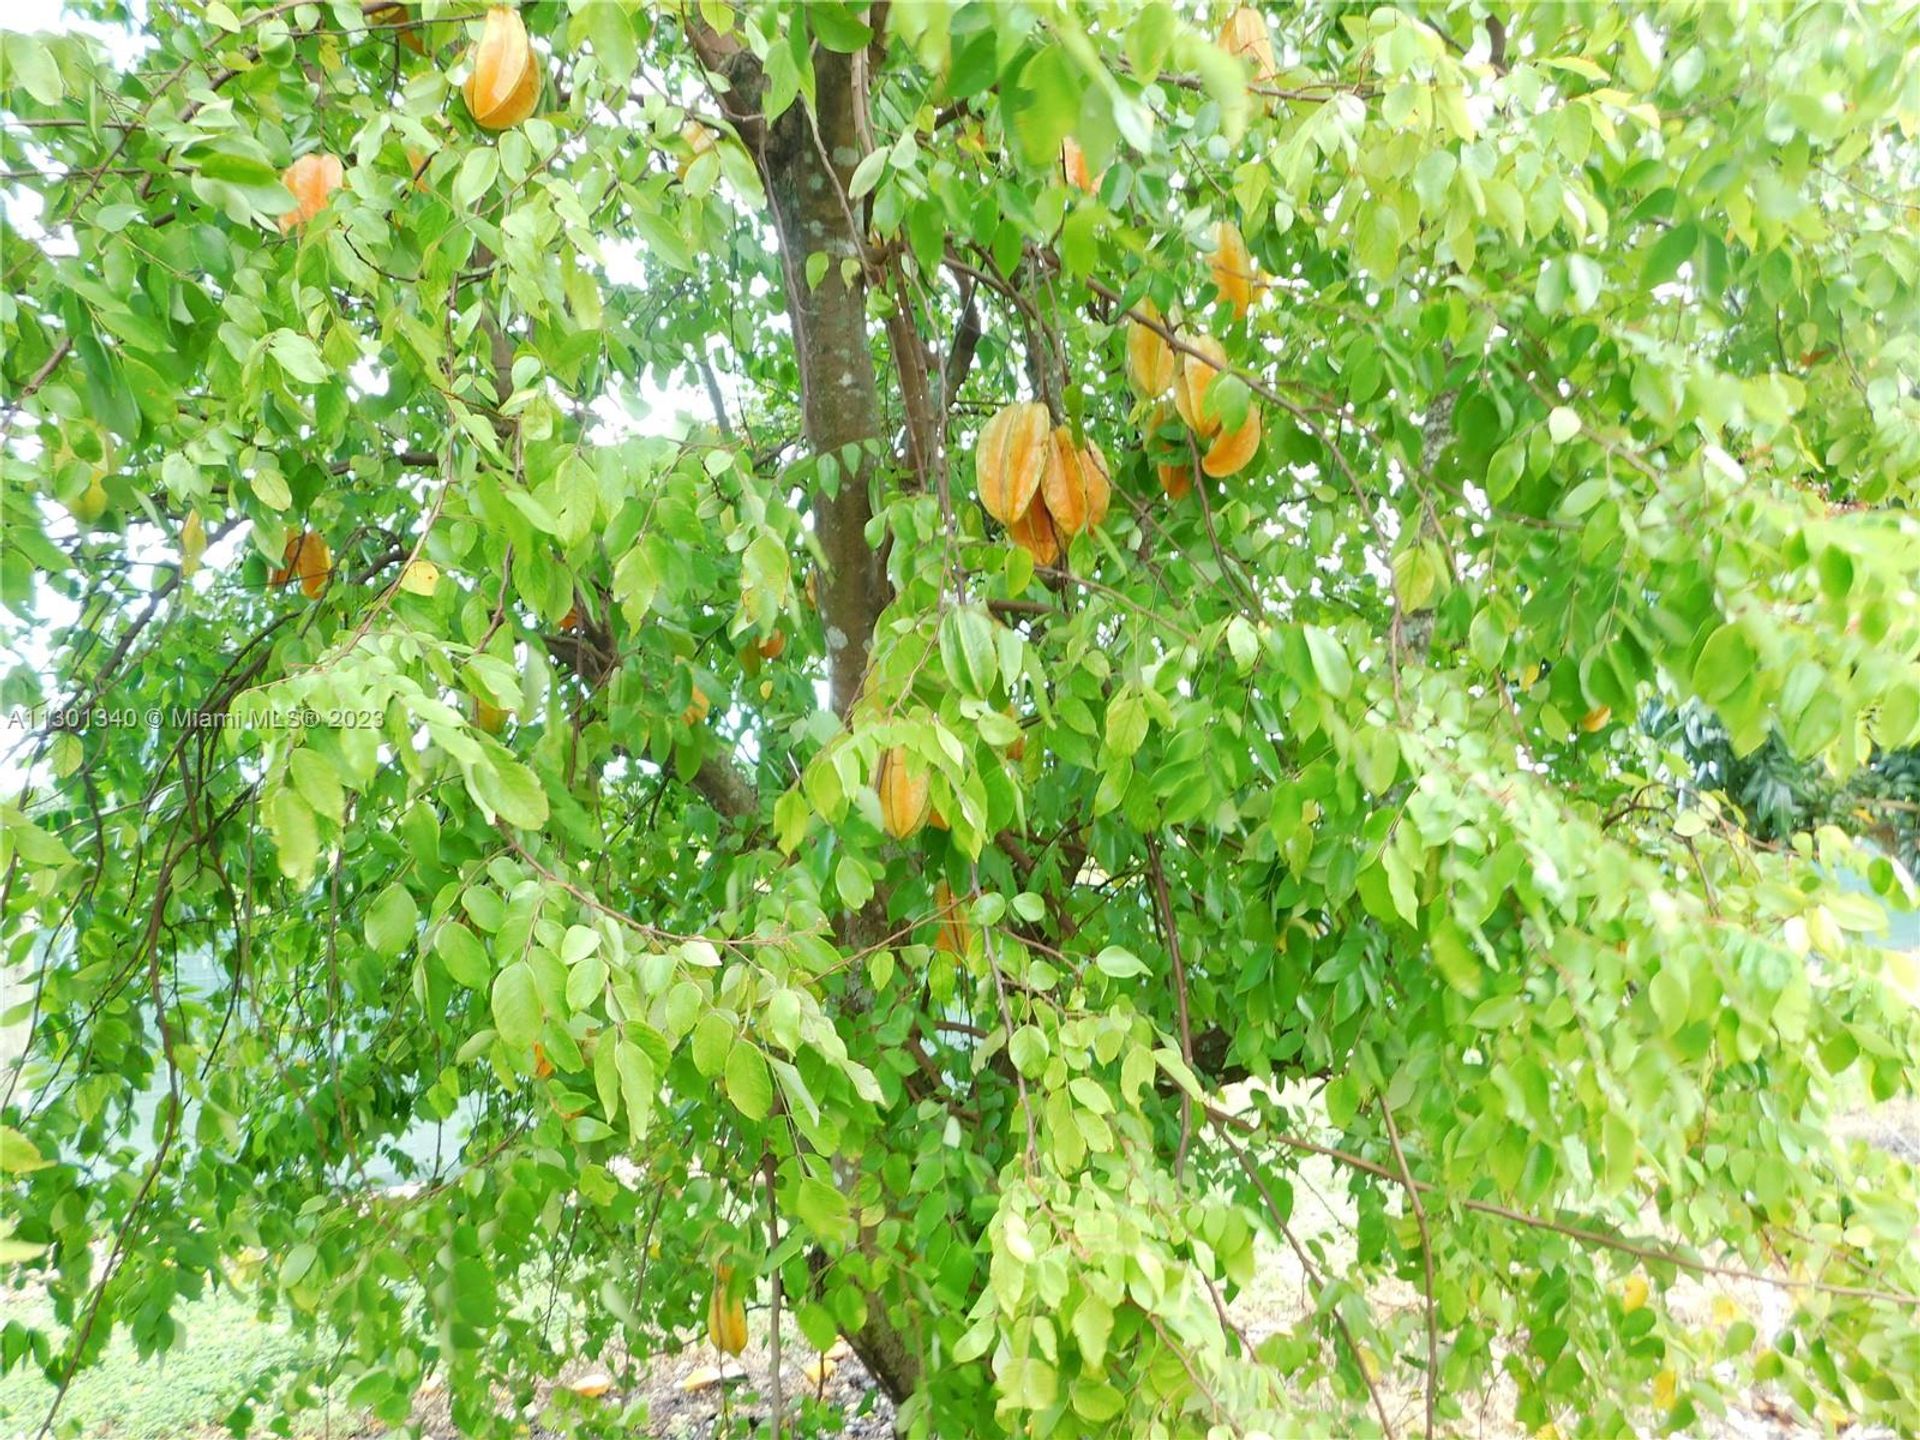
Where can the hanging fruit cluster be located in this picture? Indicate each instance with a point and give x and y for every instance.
(504, 85)
(1155, 366)
(1037, 482)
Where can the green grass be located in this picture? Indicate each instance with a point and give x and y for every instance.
(224, 1348)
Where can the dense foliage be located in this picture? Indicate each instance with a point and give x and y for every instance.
(1778, 792)
(508, 755)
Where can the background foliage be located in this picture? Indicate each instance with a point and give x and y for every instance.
(1585, 363)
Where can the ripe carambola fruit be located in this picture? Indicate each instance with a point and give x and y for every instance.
(726, 1314)
(954, 930)
(905, 798)
(1149, 356)
(505, 83)
(1075, 487)
(1233, 269)
(1232, 449)
(1011, 459)
(395, 18)
(310, 180)
(1033, 532)
(1176, 480)
(308, 559)
(1245, 37)
(1073, 165)
(1190, 385)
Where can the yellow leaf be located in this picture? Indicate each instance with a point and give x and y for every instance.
(421, 577)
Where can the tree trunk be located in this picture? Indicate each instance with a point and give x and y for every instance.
(806, 160)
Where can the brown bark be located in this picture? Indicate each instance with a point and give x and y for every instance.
(806, 160)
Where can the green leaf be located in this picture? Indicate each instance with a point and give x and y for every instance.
(749, 1086)
(509, 790)
(836, 26)
(298, 357)
(391, 920)
(1669, 994)
(1726, 662)
(1092, 1325)
(295, 837)
(1667, 254)
(586, 982)
(1119, 964)
(461, 952)
(867, 174)
(24, 61)
(854, 885)
(1330, 664)
(516, 1004)
(823, 1210)
(1149, 36)
(1487, 637)
(637, 1084)
(1242, 643)
(480, 169)
(18, 1156)
(713, 1039)
(609, 29)
(1126, 721)
(1096, 1400)
(1040, 109)
(1028, 1050)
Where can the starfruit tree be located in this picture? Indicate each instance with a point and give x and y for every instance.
(885, 661)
